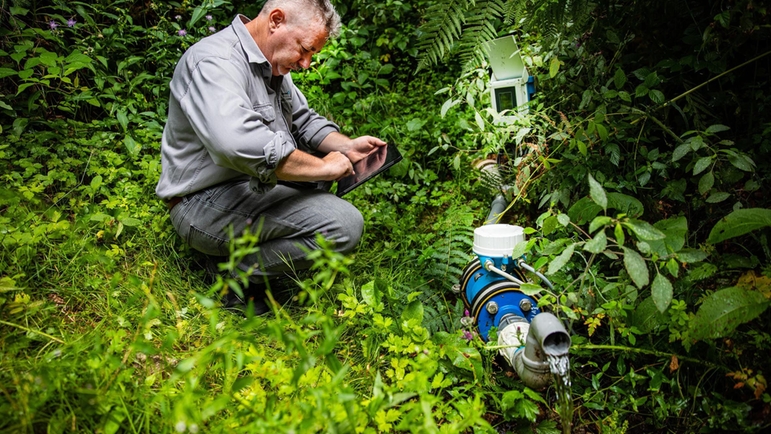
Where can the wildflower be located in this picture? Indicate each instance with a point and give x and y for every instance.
(182, 32)
(467, 335)
(209, 18)
(181, 426)
(212, 29)
(178, 17)
(53, 25)
(71, 22)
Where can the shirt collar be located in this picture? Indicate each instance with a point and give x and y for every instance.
(252, 50)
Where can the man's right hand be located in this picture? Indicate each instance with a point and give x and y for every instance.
(339, 165)
(301, 166)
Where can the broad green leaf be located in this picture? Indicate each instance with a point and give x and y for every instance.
(131, 222)
(723, 311)
(597, 244)
(681, 151)
(644, 230)
(479, 120)
(712, 129)
(554, 67)
(597, 193)
(625, 204)
(619, 78)
(583, 211)
(656, 96)
(742, 162)
(646, 317)
(618, 232)
(132, 146)
(599, 222)
(701, 164)
(641, 90)
(706, 182)
(675, 230)
(661, 292)
(624, 96)
(198, 13)
(7, 72)
(448, 105)
(690, 256)
(549, 225)
(740, 222)
(561, 260)
(414, 310)
(96, 182)
(563, 219)
(673, 267)
(371, 295)
(122, 119)
(636, 267)
(530, 289)
(718, 197)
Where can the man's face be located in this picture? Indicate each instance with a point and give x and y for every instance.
(295, 45)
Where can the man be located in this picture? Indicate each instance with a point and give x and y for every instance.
(237, 125)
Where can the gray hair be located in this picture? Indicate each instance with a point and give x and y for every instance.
(320, 11)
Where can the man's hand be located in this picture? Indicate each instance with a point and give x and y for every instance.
(338, 165)
(354, 149)
(362, 146)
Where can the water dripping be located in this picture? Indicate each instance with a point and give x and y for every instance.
(560, 369)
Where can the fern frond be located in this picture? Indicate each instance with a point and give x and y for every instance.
(443, 28)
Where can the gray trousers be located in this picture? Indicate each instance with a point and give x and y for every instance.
(287, 220)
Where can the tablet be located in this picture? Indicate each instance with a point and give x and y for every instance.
(380, 160)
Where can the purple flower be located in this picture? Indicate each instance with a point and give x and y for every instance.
(53, 25)
(212, 29)
(465, 313)
(71, 22)
(467, 335)
(209, 18)
(182, 32)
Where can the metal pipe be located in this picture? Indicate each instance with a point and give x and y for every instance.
(497, 208)
(490, 266)
(526, 266)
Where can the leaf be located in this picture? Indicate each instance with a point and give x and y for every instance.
(530, 289)
(414, 310)
(7, 72)
(690, 256)
(706, 182)
(597, 244)
(132, 146)
(644, 230)
(599, 222)
(597, 193)
(742, 162)
(554, 67)
(625, 204)
(198, 13)
(561, 260)
(131, 222)
(646, 317)
(619, 78)
(583, 211)
(96, 182)
(738, 223)
(718, 197)
(636, 267)
(656, 96)
(723, 311)
(701, 164)
(675, 229)
(661, 292)
(717, 128)
(681, 151)
(479, 120)
(372, 295)
(448, 105)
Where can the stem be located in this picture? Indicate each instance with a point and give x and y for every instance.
(28, 330)
(689, 91)
(645, 351)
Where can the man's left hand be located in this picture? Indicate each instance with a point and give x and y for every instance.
(362, 146)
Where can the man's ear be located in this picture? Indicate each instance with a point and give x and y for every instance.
(276, 18)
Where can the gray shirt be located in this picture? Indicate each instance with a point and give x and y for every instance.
(229, 118)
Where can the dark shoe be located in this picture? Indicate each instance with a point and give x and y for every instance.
(253, 301)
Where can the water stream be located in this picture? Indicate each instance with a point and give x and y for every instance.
(560, 369)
